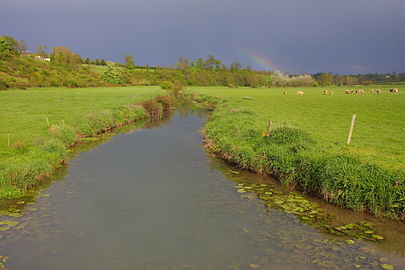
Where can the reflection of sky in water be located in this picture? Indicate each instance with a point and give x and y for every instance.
(153, 198)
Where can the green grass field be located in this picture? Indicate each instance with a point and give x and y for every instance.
(24, 113)
(379, 133)
(308, 146)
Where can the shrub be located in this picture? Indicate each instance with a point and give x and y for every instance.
(166, 85)
(74, 84)
(3, 85)
(113, 74)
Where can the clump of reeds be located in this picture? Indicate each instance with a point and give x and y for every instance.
(66, 133)
(154, 109)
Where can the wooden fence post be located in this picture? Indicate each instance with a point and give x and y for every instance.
(349, 138)
(269, 128)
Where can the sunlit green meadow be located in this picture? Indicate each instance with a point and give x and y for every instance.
(307, 145)
(379, 132)
(25, 115)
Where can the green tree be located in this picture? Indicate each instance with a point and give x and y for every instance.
(97, 62)
(87, 61)
(201, 64)
(218, 64)
(235, 66)
(103, 62)
(339, 80)
(12, 42)
(325, 79)
(5, 47)
(64, 56)
(211, 62)
(350, 80)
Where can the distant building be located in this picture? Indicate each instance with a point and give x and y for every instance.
(42, 58)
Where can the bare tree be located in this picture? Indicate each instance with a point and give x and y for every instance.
(183, 63)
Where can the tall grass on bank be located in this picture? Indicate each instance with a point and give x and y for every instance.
(235, 132)
(23, 172)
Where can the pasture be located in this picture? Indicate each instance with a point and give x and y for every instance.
(306, 147)
(379, 132)
(24, 114)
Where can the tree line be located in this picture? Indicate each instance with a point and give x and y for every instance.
(66, 69)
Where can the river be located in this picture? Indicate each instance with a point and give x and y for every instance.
(153, 198)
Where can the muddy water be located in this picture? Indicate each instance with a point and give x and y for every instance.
(154, 199)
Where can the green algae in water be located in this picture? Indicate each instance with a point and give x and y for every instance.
(308, 212)
(377, 237)
(6, 225)
(15, 214)
(387, 266)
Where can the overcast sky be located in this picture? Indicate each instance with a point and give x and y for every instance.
(295, 36)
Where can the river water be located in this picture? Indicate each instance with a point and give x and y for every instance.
(152, 198)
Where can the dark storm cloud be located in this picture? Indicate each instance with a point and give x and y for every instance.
(346, 36)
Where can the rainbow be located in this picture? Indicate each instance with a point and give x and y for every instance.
(258, 58)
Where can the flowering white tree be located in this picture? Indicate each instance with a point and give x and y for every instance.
(281, 79)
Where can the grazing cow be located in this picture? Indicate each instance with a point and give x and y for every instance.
(360, 91)
(347, 91)
(325, 92)
(394, 90)
(377, 91)
(300, 93)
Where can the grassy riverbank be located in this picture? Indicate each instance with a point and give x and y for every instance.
(38, 126)
(307, 146)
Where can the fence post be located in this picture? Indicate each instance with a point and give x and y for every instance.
(349, 138)
(269, 128)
